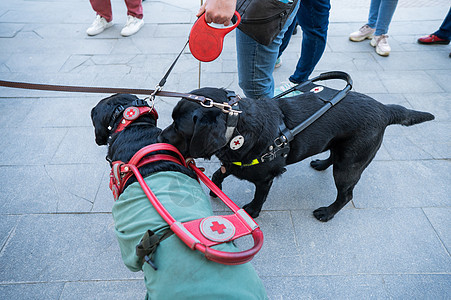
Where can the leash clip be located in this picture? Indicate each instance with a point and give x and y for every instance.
(225, 107)
(158, 88)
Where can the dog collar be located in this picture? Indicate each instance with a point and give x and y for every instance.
(232, 122)
(132, 113)
(280, 147)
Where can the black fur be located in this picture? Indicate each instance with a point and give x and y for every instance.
(352, 131)
(123, 145)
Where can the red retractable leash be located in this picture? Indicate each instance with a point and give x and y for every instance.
(200, 234)
(205, 42)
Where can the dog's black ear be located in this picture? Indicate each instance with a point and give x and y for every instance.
(100, 128)
(209, 133)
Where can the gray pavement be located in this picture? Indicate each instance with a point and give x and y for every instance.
(56, 231)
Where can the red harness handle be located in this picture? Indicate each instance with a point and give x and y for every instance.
(200, 234)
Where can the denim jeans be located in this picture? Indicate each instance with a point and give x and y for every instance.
(256, 62)
(313, 17)
(444, 31)
(381, 13)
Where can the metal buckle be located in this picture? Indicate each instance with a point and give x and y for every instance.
(280, 141)
(209, 105)
(271, 155)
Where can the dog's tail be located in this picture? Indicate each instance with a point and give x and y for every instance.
(407, 117)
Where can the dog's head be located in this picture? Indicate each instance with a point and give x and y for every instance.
(197, 131)
(107, 114)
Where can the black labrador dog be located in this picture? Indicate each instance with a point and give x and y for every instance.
(352, 131)
(182, 273)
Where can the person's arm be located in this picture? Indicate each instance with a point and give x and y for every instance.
(218, 11)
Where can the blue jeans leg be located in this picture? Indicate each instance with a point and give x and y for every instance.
(313, 17)
(287, 37)
(256, 62)
(380, 15)
(444, 31)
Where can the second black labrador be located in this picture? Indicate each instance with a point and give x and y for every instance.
(352, 131)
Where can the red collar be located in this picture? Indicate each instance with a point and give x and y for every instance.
(121, 172)
(132, 113)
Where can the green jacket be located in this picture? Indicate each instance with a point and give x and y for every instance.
(182, 273)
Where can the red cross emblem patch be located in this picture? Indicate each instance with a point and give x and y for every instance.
(317, 89)
(237, 142)
(217, 229)
(131, 113)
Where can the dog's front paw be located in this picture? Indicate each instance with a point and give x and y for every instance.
(319, 164)
(323, 214)
(254, 213)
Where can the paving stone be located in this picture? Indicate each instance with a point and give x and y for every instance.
(409, 82)
(403, 60)
(435, 103)
(61, 188)
(326, 287)
(402, 148)
(61, 112)
(86, 151)
(418, 286)
(367, 82)
(32, 291)
(442, 77)
(391, 184)
(127, 289)
(10, 30)
(369, 241)
(439, 218)
(26, 146)
(278, 233)
(104, 200)
(22, 62)
(7, 227)
(63, 248)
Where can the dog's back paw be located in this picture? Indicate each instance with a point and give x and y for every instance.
(322, 214)
(320, 165)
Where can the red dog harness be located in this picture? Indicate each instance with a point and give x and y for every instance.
(200, 234)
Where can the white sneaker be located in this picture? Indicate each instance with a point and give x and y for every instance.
(132, 26)
(381, 44)
(285, 86)
(278, 62)
(365, 32)
(98, 26)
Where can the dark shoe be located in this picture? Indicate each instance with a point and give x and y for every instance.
(432, 39)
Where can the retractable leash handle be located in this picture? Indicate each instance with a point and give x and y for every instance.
(200, 234)
(205, 41)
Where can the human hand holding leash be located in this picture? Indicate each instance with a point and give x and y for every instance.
(218, 11)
